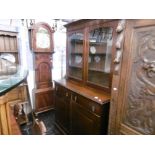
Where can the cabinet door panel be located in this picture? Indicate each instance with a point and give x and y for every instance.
(88, 104)
(100, 51)
(43, 70)
(84, 122)
(75, 55)
(136, 98)
(62, 113)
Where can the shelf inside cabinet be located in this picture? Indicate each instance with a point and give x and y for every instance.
(98, 70)
(97, 84)
(73, 77)
(74, 53)
(97, 53)
(80, 41)
(75, 66)
(97, 43)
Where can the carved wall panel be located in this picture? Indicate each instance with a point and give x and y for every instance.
(139, 111)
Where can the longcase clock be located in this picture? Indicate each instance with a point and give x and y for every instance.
(43, 47)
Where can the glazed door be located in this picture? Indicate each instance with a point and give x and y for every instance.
(75, 55)
(100, 54)
(133, 107)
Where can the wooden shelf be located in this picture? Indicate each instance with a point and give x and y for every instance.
(80, 67)
(77, 41)
(76, 78)
(96, 84)
(98, 53)
(76, 53)
(98, 70)
(97, 43)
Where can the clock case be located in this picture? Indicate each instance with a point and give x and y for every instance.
(43, 91)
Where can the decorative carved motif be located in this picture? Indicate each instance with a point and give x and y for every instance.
(119, 44)
(121, 26)
(149, 67)
(140, 109)
(119, 41)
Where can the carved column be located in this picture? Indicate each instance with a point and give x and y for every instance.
(116, 75)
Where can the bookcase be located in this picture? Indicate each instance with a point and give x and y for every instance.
(90, 50)
(82, 99)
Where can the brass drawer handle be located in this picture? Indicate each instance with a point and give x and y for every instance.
(93, 108)
(75, 98)
(66, 94)
(56, 88)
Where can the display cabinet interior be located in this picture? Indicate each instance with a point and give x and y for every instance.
(75, 50)
(99, 58)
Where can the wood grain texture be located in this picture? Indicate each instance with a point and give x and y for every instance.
(96, 95)
(43, 67)
(79, 113)
(116, 74)
(43, 74)
(44, 99)
(135, 104)
(3, 116)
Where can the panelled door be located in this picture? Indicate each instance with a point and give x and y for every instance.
(133, 108)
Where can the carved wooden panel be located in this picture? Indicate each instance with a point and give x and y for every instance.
(135, 103)
(140, 104)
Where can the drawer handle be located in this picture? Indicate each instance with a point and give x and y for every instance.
(56, 88)
(66, 94)
(75, 98)
(93, 108)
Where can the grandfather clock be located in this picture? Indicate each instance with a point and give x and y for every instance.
(43, 47)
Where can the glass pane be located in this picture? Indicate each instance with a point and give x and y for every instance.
(7, 65)
(75, 55)
(99, 60)
(7, 81)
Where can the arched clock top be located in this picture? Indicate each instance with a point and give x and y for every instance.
(42, 38)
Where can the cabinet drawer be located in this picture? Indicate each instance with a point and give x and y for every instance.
(62, 92)
(87, 104)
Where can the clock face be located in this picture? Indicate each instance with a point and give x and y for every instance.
(42, 38)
